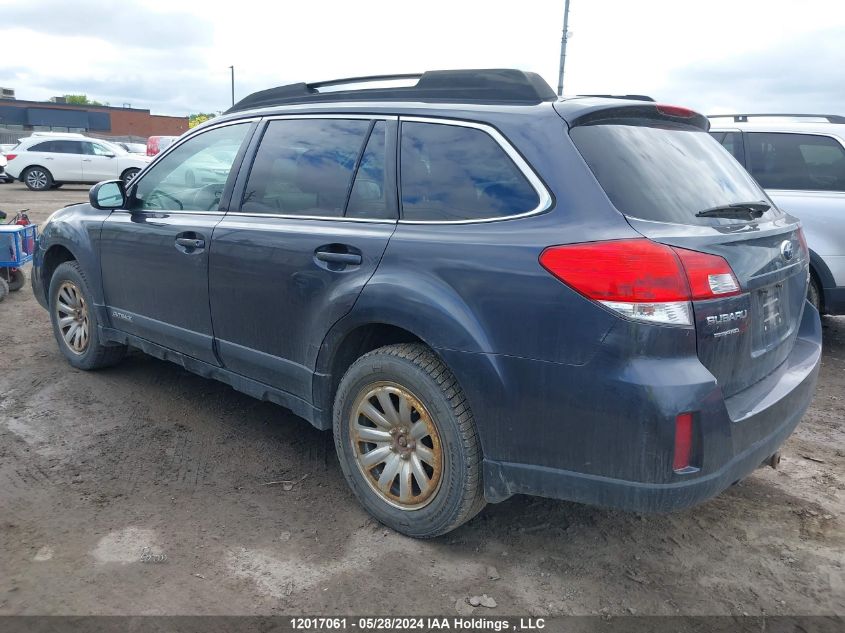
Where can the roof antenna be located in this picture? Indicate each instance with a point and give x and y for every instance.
(563, 39)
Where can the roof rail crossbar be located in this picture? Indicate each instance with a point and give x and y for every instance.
(494, 86)
(743, 118)
(629, 97)
(364, 79)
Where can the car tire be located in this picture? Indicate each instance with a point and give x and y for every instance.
(37, 178)
(129, 175)
(814, 294)
(433, 445)
(16, 279)
(70, 297)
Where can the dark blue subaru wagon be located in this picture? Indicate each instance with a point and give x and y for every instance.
(482, 289)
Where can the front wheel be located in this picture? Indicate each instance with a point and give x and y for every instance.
(38, 179)
(75, 320)
(406, 441)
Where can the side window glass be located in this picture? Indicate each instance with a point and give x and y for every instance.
(732, 142)
(68, 147)
(304, 167)
(192, 177)
(797, 161)
(450, 172)
(368, 198)
(96, 149)
(43, 147)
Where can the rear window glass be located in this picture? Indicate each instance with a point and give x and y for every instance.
(451, 172)
(797, 161)
(665, 173)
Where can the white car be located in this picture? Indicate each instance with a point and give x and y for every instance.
(4, 177)
(799, 159)
(43, 162)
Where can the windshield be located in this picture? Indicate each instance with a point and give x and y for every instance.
(664, 172)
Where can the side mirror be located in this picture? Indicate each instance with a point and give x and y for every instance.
(107, 195)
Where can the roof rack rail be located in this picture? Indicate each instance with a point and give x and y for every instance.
(492, 86)
(743, 118)
(629, 97)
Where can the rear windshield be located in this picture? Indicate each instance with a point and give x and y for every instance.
(663, 172)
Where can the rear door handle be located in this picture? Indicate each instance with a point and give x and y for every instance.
(349, 259)
(190, 242)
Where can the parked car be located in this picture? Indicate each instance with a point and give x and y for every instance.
(480, 289)
(156, 144)
(800, 161)
(43, 163)
(133, 148)
(4, 177)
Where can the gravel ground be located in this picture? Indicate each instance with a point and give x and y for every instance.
(144, 489)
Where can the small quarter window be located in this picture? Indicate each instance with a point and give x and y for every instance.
(451, 172)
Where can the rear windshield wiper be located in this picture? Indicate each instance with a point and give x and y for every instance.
(739, 210)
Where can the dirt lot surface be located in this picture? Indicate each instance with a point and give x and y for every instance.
(97, 467)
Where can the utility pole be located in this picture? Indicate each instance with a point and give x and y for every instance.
(232, 68)
(563, 38)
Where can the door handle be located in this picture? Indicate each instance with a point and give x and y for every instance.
(190, 242)
(348, 259)
(86, 160)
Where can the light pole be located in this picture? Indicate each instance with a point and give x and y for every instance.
(232, 68)
(563, 38)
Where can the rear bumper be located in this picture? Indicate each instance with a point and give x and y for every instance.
(625, 437)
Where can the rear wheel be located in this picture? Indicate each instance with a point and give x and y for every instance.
(37, 178)
(406, 441)
(129, 175)
(75, 320)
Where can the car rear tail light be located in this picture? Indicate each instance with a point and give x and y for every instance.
(11, 156)
(683, 442)
(640, 279)
(678, 111)
(709, 275)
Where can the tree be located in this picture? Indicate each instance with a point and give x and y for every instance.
(200, 117)
(81, 100)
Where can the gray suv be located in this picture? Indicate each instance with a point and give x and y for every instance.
(800, 161)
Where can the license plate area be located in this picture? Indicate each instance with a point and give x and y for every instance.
(772, 318)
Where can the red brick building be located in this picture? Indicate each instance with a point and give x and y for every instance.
(46, 116)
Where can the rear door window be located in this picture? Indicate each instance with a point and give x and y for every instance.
(451, 172)
(806, 162)
(305, 167)
(664, 172)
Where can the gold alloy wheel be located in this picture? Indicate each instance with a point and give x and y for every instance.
(72, 317)
(396, 445)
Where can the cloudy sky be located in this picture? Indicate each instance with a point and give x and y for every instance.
(173, 56)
